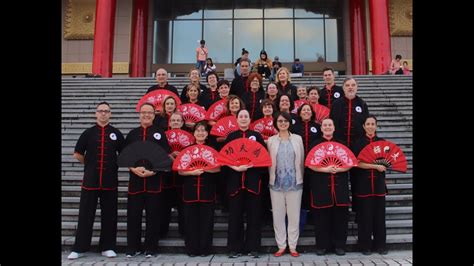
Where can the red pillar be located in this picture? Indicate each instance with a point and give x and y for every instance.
(358, 44)
(139, 36)
(104, 37)
(380, 32)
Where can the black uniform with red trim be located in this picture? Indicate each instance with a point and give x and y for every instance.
(289, 89)
(209, 96)
(244, 190)
(202, 91)
(329, 95)
(309, 132)
(145, 192)
(199, 195)
(162, 122)
(239, 86)
(99, 146)
(330, 201)
(252, 102)
(166, 87)
(369, 189)
(348, 116)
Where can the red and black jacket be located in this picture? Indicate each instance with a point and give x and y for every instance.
(349, 116)
(152, 184)
(166, 87)
(289, 89)
(367, 182)
(309, 132)
(252, 102)
(328, 96)
(328, 190)
(100, 146)
(238, 86)
(251, 179)
(200, 188)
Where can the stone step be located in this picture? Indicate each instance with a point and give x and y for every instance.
(305, 244)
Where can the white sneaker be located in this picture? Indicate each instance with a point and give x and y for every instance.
(74, 255)
(109, 253)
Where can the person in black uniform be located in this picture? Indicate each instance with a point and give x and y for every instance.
(199, 195)
(254, 96)
(239, 83)
(97, 149)
(144, 188)
(194, 78)
(283, 82)
(329, 200)
(162, 80)
(211, 94)
(244, 190)
(163, 116)
(330, 92)
(369, 188)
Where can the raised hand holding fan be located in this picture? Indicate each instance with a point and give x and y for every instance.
(192, 112)
(385, 153)
(330, 153)
(321, 111)
(196, 157)
(264, 126)
(217, 110)
(179, 139)
(224, 126)
(243, 151)
(298, 104)
(157, 97)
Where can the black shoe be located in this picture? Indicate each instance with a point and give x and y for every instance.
(340, 252)
(366, 252)
(254, 254)
(382, 251)
(321, 251)
(132, 254)
(234, 255)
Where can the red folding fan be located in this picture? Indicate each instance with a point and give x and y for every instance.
(224, 126)
(157, 97)
(298, 104)
(192, 112)
(385, 153)
(217, 110)
(179, 139)
(264, 126)
(321, 111)
(330, 153)
(196, 157)
(245, 151)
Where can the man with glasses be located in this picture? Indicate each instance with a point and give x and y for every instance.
(97, 148)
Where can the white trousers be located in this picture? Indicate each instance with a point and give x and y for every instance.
(286, 203)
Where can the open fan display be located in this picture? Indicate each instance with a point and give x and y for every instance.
(321, 111)
(245, 151)
(330, 153)
(224, 126)
(192, 112)
(298, 104)
(264, 126)
(196, 157)
(179, 139)
(217, 110)
(149, 151)
(385, 153)
(157, 97)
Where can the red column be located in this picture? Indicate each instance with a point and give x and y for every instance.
(104, 37)
(139, 36)
(358, 45)
(380, 32)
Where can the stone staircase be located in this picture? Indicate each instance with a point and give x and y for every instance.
(388, 97)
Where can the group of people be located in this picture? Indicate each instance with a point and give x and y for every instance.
(399, 68)
(285, 188)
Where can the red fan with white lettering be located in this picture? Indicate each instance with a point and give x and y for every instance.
(157, 97)
(224, 126)
(179, 139)
(244, 151)
(264, 126)
(322, 112)
(385, 153)
(196, 157)
(330, 153)
(298, 104)
(217, 110)
(192, 112)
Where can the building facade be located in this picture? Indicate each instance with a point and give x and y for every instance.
(134, 38)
